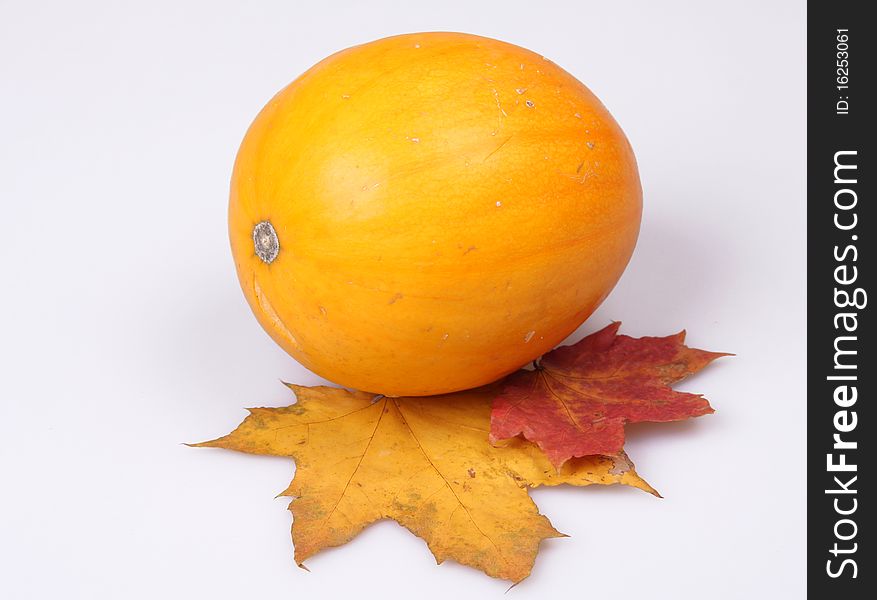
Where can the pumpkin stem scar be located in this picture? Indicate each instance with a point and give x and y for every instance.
(265, 242)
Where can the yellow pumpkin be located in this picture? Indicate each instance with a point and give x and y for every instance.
(428, 212)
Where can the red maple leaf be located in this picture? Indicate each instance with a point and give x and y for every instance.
(578, 399)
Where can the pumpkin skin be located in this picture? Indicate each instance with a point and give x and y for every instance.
(448, 208)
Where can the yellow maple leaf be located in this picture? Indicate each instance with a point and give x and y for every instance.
(423, 462)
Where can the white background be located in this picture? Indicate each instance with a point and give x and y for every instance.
(124, 332)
